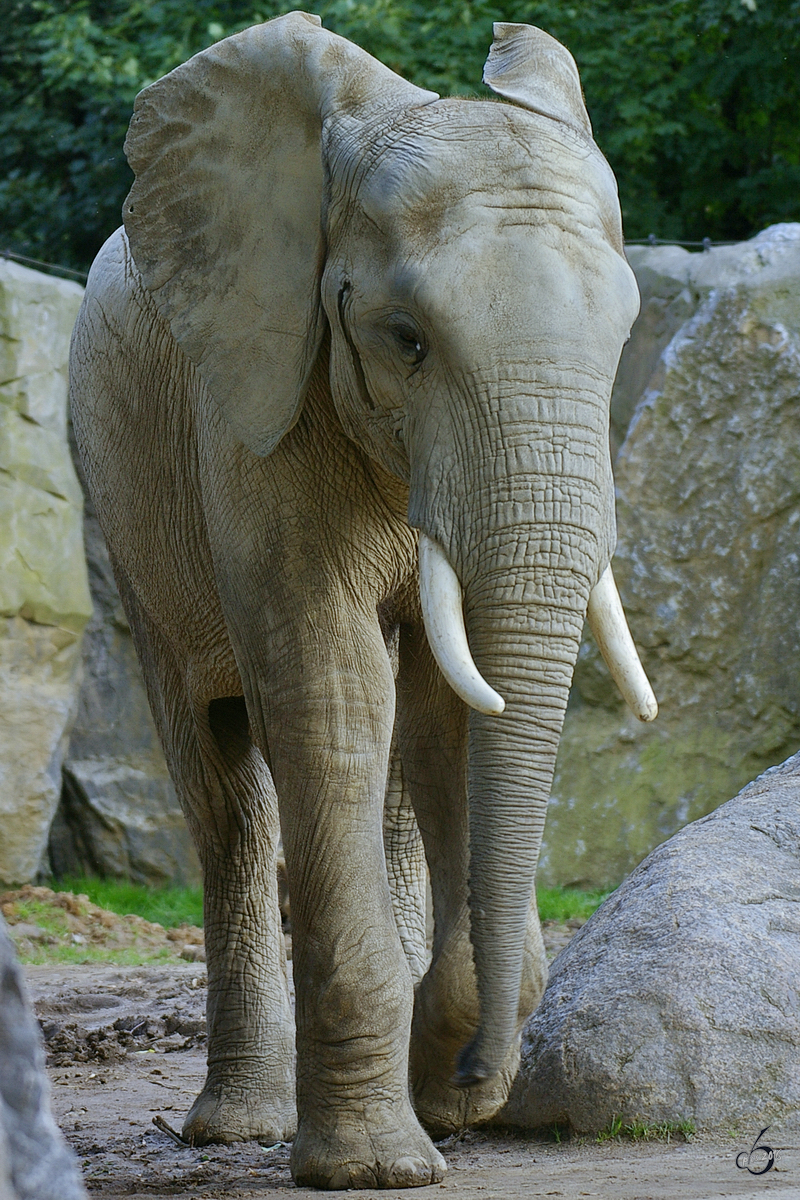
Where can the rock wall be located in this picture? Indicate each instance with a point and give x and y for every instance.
(72, 707)
(707, 405)
(44, 595)
(119, 814)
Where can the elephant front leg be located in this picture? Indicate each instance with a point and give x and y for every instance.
(432, 733)
(329, 753)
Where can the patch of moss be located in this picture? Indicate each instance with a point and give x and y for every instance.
(621, 788)
(36, 912)
(64, 928)
(68, 955)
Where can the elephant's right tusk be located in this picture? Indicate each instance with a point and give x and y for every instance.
(607, 623)
(443, 614)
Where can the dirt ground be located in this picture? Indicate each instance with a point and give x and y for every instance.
(127, 1045)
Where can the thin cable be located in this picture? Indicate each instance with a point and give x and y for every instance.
(37, 262)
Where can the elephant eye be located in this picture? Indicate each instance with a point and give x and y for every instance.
(410, 342)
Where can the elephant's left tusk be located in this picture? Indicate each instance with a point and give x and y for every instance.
(607, 623)
(443, 614)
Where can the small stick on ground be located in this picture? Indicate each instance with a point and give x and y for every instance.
(161, 1124)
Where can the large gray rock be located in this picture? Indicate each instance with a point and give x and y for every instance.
(35, 1163)
(44, 595)
(707, 561)
(680, 998)
(119, 814)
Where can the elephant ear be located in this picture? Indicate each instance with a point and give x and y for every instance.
(531, 68)
(224, 217)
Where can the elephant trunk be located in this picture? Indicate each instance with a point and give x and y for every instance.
(528, 652)
(524, 524)
(525, 649)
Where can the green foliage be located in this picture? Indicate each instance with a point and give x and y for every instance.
(168, 906)
(564, 904)
(639, 1131)
(694, 102)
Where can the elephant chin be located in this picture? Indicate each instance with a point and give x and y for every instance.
(442, 611)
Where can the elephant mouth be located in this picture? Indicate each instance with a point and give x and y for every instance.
(442, 611)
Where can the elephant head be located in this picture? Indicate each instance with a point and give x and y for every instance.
(466, 257)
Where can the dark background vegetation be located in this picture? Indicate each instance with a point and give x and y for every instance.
(694, 102)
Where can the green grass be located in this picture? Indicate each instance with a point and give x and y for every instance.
(171, 906)
(72, 956)
(638, 1131)
(62, 949)
(168, 906)
(562, 904)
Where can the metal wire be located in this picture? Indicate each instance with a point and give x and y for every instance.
(37, 262)
(82, 276)
(652, 240)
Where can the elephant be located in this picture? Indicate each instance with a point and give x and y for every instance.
(341, 390)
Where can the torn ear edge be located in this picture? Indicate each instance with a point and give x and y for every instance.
(529, 67)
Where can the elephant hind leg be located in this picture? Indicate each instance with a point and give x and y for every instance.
(406, 869)
(229, 801)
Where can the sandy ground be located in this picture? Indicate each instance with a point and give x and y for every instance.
(126, 1044)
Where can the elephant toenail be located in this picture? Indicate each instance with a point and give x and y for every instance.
(415, 1172)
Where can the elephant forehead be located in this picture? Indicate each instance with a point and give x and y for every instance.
(451, 164)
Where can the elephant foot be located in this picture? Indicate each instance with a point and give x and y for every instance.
(345, 1153)
(226, 1112)
(444, 1108)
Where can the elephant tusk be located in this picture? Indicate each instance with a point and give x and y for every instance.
(607, 623)
(443, 614)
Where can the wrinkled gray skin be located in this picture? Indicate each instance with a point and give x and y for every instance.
(35, 1163)
(348, 311)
